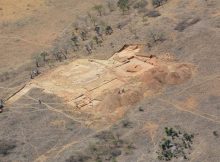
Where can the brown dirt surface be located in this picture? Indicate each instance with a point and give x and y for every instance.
(111, 104)
(84, 84)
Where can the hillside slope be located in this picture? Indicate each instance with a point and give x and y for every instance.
(171, 112)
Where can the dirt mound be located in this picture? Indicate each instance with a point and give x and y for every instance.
(167, 75)
(155, 78)
(181, 73)
(119, 98)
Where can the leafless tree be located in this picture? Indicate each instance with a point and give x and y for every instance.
(88, 48)
(111, 5)
(99, 9)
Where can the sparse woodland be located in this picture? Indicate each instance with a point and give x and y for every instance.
(102, 27)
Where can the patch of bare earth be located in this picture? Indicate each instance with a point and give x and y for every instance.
(101, 91)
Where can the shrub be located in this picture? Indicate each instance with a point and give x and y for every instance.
(108, 30)
(186, 23)
(34, 73)
(215, 133)
(155, 36)
(141, 108)
(157, 3)
(124, 23)
(127, 124)
(153, 14)
(123, 5)
(140, 4)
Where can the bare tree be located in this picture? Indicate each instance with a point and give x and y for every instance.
(133, 30)
(44, 55)
(64, 52)
(34, 73)
(59, 55)
(76, 26)
(98, 40)
(98, 31)
(83, 35)
(88, 48)
(38, 60)
(111, 5)
(1, 105)
(99, 9)
(108, 30)
(75, 42)
(92, 18)
(155, 36)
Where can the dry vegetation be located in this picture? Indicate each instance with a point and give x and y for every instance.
(171, 112)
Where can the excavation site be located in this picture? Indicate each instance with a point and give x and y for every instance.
(100, 91)
(109, 81)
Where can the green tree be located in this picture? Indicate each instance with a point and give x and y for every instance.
(123, 5)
